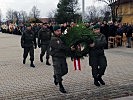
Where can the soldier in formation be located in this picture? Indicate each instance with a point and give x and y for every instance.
(44, 37)
(28, 43)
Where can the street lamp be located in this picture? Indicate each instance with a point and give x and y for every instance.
(83, 10)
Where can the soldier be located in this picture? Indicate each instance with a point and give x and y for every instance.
(97, 59)
(28, 42)
(58, 52)
(44, 36)
(35, 29)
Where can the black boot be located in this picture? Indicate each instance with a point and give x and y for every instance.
(24, 61)
(101, 80)
(61, 88)
(47, 62)
(41, 58)
(32, 65)
(55, 80)
(96, 82)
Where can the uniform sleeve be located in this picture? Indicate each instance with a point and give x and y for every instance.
(39, 38)
(102, 42)
(35, 44)
(22, 40)
(58, 44)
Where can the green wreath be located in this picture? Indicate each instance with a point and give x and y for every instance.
(78, 36)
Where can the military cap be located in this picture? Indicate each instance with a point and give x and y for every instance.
(45, 23)
(96, 26)
(56, 28)
(28, 24)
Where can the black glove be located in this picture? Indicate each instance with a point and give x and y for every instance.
(22, 45)
(35, 46)
(39, 45)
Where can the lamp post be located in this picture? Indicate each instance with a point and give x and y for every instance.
(83, 10)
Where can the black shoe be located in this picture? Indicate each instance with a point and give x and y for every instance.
(62, 90)
(32, 65)
(47, 63)
(55, 81)
(101, 81)
(41, 58)
(128, 46)
(24, 61)
(96, 82)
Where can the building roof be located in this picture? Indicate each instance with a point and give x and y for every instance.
(47, 19)
(125, 1)
(35, 20)
(119, 2)
(44, 19)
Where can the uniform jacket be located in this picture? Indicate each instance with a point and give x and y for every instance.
(97, 52)
(28, 39)
(57, 47)
(44, 36)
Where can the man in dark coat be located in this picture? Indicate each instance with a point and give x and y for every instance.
(129, 35)
(97, 59)
(35, 29)
(105, 30)
(58, 52)
(44, 36)
(112, 29)
(28, 42)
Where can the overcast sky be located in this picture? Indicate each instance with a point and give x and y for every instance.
(45, 6)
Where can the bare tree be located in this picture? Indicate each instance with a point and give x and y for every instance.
(35, 13)
(51, 15)
(16, 17)
(24, 16)
(114, 4)
(92, 13)
(9, 15)
(104, 10)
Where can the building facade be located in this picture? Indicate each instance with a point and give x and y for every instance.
(125, 11)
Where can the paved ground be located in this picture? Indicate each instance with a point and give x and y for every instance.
(21, 82)
(125, 98)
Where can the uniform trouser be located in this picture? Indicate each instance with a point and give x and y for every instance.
(29, 50)
(99, 66)
(129, 41)
(106, 47)
(45, 48)
(60, 68)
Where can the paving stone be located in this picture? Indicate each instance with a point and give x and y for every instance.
(21, 82)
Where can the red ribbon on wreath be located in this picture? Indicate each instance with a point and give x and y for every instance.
(77, 65)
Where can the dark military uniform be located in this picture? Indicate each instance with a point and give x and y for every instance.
(44, 37)
(58, 52)
(28, 42)
(97, 59)
(35, 29)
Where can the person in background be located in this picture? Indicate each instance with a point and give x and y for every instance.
(105, 30)
(129, 35)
